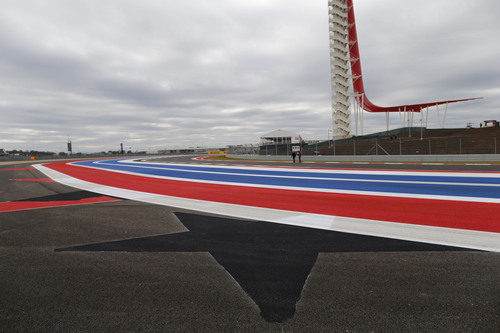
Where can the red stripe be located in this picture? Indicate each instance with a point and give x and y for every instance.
(44, 180)
(441, 213)
(10, 206)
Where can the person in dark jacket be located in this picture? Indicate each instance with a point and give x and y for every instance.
(293, 156)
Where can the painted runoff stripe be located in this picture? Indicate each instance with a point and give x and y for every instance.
(11, 206)
(455, 186)
(441, 220)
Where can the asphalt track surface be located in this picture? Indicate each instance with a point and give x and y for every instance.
(77, 260)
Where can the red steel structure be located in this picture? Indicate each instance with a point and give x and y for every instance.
(357, 76)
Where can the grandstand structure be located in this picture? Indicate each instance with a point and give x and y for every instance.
(347, 78)
(278, 142)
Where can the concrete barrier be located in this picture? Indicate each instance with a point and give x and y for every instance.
(377, 158)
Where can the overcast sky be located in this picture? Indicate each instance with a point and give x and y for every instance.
(163, 73)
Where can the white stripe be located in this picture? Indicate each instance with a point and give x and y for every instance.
(348, 171)
(479, 240)
(149, 166)
(478, 164)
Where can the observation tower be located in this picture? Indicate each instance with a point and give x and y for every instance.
(347, 78)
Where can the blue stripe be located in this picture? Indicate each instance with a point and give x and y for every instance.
(407, 178)
(250, 177)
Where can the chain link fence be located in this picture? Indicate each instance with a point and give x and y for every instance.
(408, 146)
(395, 145)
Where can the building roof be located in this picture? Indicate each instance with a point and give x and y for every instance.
(279, 134)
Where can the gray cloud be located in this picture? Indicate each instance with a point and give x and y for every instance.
(163, 74)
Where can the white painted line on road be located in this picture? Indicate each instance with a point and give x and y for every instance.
(478, 164)
(362, 180)
(494, 174)
(319, 171)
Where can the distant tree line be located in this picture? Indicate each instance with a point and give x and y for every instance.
(30, 152)
(64, 154)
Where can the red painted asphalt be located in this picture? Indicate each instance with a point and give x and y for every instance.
(11, 206)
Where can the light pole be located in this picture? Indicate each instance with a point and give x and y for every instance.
(332, 142)
(421, 128)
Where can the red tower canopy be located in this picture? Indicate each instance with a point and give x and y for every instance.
(357, 76)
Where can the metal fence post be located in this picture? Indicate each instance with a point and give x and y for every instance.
(354, 142)
(430, 152)
(460, 146)
(334, 152)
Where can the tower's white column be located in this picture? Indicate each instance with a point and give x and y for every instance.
(339, 68)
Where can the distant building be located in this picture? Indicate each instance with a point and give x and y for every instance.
(280, 137)
(278, 142)
(491, 123)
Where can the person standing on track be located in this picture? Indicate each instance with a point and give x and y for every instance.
(293, 156)
(300, 156)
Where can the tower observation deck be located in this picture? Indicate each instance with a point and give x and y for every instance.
(345, 69)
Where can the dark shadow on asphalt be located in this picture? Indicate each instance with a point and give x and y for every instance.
(270, 261)
(68, 196)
